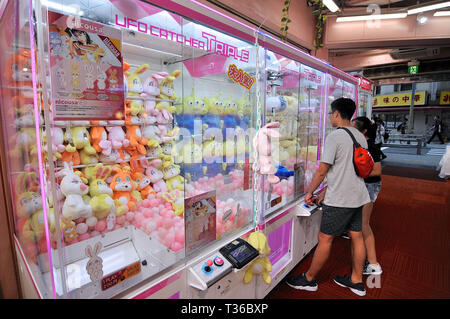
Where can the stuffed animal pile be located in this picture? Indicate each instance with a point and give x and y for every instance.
(111, 174)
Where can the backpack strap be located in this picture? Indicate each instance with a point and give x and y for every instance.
(351, 135)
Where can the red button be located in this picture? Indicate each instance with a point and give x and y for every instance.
(209, 262)
(218, 261)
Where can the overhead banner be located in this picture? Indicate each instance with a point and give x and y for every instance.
(399, 99)
(86, 69)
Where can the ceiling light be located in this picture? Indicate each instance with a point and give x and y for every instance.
(429, 7)
(372, 17)
(73, 9)
(331, 5)
(421, 18)
(442, 13)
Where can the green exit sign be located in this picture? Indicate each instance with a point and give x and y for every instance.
(413, 69)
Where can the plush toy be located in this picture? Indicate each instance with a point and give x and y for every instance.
(73, 188)
(176, 198)
(172, 176)
(143, 185)
(18, 68)
(261, 142)
(167, 92)
(137, 142)
(122, 185)
(57, 142)
(27, 204)
(101, 201)
(154, 149)
(116, 136)
(88, 159)
(81, 139)
(134, 105)
(166, 86)
(69, 230)
(100, 141)
(150, 90)
(261, 265)
(156, 176)
(151, 132)
(37, 223)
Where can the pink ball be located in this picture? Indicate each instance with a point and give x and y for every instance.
(151, 226)
(84, 236)
(176, 246)
(139, 218)
(153, 202)
(161, 207)
(167, 223)
(179, 234)
(101, 226)
(148, 213)
(158, 221)
(168, 205)
(162, 232)
(146, 203)
(130, 216)
(170, 237)
(121, 220)
(82, 228)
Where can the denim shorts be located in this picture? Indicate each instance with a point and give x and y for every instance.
(336, 220)
(373, 189)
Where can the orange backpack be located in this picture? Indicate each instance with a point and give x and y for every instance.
(362, 160)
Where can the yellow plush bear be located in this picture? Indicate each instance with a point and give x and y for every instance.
(260, 265)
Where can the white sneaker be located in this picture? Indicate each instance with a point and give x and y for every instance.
(372, 269)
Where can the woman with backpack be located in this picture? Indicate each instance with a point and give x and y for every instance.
(373, 184)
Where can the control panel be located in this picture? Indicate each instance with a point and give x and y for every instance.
(211, 269)
(304, 209)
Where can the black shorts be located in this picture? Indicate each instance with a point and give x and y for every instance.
(336, 220)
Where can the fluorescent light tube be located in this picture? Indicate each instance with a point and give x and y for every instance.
(59, 6)
(441, 14)
(331, 5)
(372, 17)
(430, 7)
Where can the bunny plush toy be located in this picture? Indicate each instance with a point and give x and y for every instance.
(261, 142)
(73, 189)
(156, 176)
(151, 91)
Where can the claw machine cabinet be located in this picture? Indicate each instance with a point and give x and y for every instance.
(218, 127)
(95, 183)
(365, 95)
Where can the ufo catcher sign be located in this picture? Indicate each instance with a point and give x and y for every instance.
(86, 69)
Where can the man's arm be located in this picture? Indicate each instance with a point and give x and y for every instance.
(318, 178)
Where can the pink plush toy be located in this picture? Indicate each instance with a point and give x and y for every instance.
(156, 176)
(261, 142)
(151, 91)
(116, 136)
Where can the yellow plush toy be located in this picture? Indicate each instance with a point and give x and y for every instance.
(101, 194)
(260, 265)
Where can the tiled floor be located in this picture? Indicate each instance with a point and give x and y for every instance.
(411, 222)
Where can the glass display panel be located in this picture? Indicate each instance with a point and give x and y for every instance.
(120, 89)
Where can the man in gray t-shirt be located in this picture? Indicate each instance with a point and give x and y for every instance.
(342, 207)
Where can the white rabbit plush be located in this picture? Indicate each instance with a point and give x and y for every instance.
(94, 267)
(89, 76)
(73, 189)
(101, 79)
